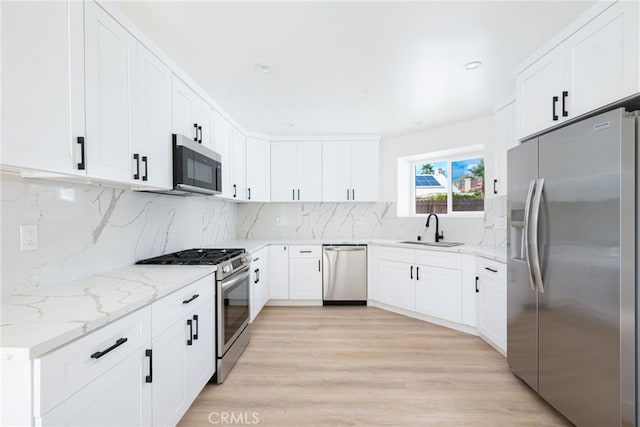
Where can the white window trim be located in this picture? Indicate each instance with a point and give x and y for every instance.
(451, 155)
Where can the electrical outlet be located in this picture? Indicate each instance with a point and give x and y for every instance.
(28, 237)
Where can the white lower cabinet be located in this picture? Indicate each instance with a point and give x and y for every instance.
(259, 282)
(396, 285)
(439, 292)
(143, 369)
(305, 273)
(491, 285)
(279, 272)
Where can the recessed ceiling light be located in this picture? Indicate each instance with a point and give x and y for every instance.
(289, 124)
(418, 123)
(263, 68)
(472, 65)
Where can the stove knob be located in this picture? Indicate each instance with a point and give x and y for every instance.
(226, 269)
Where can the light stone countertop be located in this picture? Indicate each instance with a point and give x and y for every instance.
(252, 245)
(46, 318)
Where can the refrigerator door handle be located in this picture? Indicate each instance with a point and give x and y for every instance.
(525, 232)
(535, 253)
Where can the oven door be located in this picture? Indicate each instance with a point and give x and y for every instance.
(233, 308)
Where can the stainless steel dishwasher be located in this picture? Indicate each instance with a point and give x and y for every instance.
(344, 274)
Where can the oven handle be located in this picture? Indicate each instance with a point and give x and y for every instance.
(233, 280)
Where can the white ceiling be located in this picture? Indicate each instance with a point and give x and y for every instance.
(351, 67)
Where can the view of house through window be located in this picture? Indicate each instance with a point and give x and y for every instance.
(452, 185)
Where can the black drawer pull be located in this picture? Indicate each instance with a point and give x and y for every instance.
(190, 325)
(491, 269)
(149, 353)
(412, 272)
(187, 301)
(477, 290)
(99, 354)
(417, 273)
(305, 252)
(195, 319)
(495, 181)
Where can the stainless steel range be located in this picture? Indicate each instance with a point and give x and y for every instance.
(232, 299)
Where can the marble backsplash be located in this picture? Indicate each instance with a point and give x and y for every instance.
(364, 220)
(85, 230)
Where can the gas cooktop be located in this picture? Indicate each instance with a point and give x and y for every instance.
(194, 257)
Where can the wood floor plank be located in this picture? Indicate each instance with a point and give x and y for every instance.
(362, 366)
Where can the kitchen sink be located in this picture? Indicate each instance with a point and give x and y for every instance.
(437, 244)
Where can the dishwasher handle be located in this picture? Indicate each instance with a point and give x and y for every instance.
(344, 248)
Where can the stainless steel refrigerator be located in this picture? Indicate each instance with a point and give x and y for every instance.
(571, 290)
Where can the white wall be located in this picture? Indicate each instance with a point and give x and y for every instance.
(85, 230)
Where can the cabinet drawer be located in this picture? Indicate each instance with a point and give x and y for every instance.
(396, 254)
(439, 259)
(168, 310)
(492, 270)
(305, 251)
(62, 372)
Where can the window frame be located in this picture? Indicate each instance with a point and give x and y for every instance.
(449, 156)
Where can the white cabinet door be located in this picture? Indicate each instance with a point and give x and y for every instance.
(154, 117)
(364, 171)
(223, 140)
(396, 286)
(602, 59)
(505, 138)
(536, 88)
(119, 397)
(110, 63)
(439, 292)
(256, 297)
(336, 171)
(238, 165)
(305, 279)
(279, 272)
(203, 117)
(283, 171)
(309, 172)
(492, 311)
(182, 109)
(258, 170)
(169, 374)
(200, 354)
(42, 85)
(264, 278)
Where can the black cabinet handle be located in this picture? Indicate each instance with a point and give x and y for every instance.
(417, 273)
(477, 290)
(554, 116)
(146, 168)
(412, 272)
(248, 193)
(200, 130)
(190, 325)
(255, 272)
(347, 194)
(298, 194)
(136, 157)
(195, 319)
(258, 274)
(195, 131)
(495, 181)
(235, 190)
(304, 252)
(293, 193)
(99, 354)
(491, 269)
(149, 353)
(81, 165)
(319, 266)
(565, 113)
(187, 301)
(353, 194)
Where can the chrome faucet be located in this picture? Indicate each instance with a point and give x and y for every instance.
(439, 235)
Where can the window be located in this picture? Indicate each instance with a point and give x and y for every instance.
(448, 183)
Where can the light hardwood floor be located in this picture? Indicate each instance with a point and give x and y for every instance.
(343, 366)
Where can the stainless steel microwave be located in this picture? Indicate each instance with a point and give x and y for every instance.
(196, 168)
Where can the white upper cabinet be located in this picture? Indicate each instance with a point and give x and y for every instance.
(238, 165)
(192, 116)
(595, 65)
(258, 170)
(505, 139)
(223, 140)
(153, 144)
(111, 85)
(349, 171)
(296, 171)
(42, 85)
